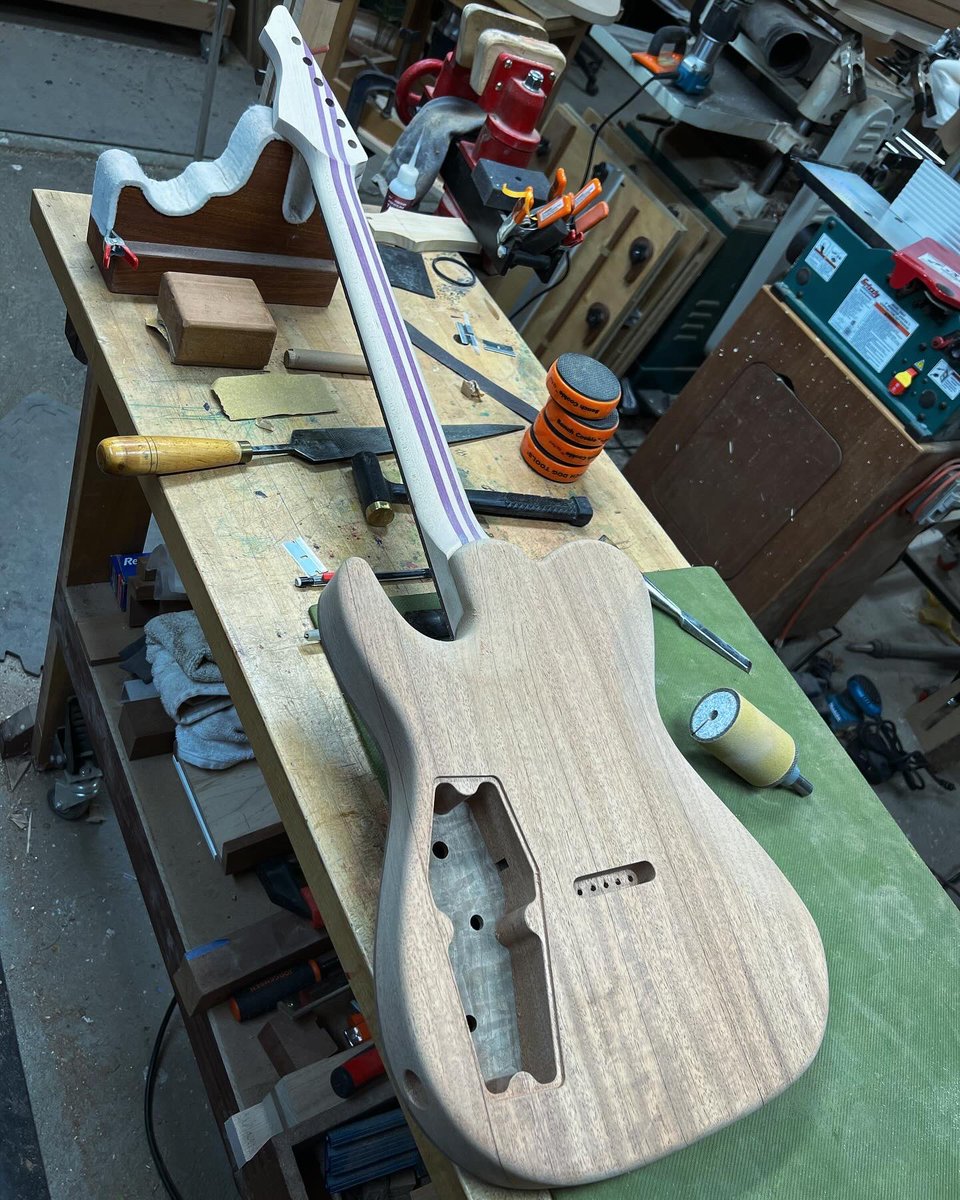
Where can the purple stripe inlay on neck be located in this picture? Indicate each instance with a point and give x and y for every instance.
(451, 495)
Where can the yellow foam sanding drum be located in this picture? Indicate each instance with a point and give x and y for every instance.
(747, 741)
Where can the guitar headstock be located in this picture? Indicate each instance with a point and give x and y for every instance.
(305, 110)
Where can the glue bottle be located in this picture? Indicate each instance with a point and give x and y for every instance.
(402, 190)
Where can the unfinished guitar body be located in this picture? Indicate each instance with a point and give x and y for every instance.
(666, 978)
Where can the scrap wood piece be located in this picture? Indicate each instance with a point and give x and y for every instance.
(422, 232)
(298, 1097)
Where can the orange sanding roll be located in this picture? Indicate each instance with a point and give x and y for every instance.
(558, 447)
(545, 464)
(583, 387)
(580, 430)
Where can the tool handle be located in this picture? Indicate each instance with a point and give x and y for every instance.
(136, 455)
(325, 360)
(576, 511)
(377, 493)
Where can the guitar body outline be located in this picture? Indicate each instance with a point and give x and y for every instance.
(668, 978)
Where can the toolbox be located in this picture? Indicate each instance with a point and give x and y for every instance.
(892, 315)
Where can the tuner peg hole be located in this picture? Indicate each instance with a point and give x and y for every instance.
(296, 41)
(440, 849)
(308, 61)
(341, 122)
(476, 921)
(329, 101)
(471, 1022)
(352, 144)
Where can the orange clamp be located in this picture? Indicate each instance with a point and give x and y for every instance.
(521, 210)
(667, 60)
(593, 216)
(553, 211)
(587, 194)
(559, 185)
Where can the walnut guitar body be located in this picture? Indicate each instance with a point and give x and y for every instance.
(667, 978)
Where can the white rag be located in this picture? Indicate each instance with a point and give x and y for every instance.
(215, 742)
(192, 692)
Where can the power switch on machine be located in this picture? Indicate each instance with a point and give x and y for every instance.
(893, 316)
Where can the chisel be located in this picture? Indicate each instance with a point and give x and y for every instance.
(137, 455)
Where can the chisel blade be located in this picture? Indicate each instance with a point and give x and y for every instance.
(333, 444)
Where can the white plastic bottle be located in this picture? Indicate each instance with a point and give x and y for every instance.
(402, 191)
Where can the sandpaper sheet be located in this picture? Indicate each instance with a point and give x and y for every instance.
(246, 397)
(37, 441)
(875, 1117)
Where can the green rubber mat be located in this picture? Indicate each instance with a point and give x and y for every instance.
(877, 1115)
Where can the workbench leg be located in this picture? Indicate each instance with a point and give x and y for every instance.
(104, 516)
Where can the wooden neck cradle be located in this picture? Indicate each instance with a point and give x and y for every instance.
(667, 979)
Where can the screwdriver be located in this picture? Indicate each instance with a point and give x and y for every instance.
(306, 581)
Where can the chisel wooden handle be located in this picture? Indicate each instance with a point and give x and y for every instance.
(325, 360)
(135, 455)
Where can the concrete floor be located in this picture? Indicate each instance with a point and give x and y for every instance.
(80, 962)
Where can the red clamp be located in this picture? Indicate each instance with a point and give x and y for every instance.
(114, 245)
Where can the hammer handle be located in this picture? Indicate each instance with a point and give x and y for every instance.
(377, 493)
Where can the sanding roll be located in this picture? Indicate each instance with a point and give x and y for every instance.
(747, 741)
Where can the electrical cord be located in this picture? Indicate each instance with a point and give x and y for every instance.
(616, 112)
(543, 291)
(169, 1186)
(877, 742)
(586, 175)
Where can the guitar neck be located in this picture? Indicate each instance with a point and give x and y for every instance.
(438, 499)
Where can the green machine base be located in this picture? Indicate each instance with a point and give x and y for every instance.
(840, 287)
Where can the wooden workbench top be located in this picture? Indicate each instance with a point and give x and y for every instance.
(226, 529)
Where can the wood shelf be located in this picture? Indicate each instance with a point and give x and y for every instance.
(189, 899)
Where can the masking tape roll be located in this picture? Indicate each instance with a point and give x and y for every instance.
(743, 738)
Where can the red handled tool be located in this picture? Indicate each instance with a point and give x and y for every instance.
(352, 1075)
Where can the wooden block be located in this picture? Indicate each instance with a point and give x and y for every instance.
(209, 974)
(292, 1044)
(16, 732)
(215, 321)
(145, 729)
(299, 1097)
(103, 636)
(236, 814)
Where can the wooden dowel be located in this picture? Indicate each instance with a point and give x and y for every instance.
(325, 360)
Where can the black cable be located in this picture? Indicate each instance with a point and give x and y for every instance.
(798, 666)
(586, 175)
(609, 117)
(543, 291)
(169, 1186)
(877, 742)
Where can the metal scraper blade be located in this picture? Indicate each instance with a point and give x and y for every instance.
(333, 444)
